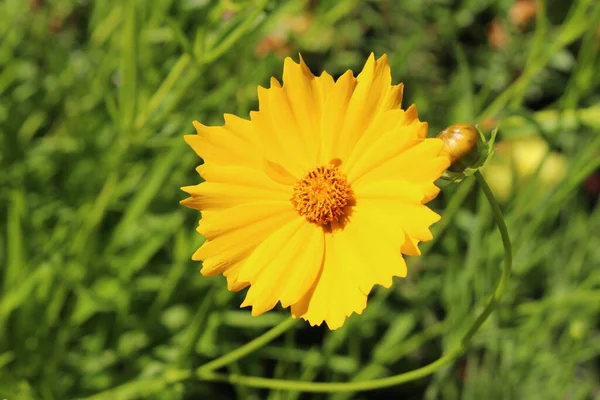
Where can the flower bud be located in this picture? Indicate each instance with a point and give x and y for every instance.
(462, 145)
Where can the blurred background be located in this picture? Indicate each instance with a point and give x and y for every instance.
(99, 296)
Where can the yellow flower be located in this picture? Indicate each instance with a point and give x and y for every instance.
(314, 200)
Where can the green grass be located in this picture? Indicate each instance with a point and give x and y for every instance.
(99, 295)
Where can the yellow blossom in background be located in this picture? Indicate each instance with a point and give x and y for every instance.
(524, 161)
(315, 199)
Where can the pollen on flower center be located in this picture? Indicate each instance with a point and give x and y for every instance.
(322, 195)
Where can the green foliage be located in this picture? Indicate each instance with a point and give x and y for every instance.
(99, 295)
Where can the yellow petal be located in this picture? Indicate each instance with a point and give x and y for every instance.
(274, 147)
(219, 145)
(238, 126)
(208, 195)
(388, 147)
(415, 220)
(354, 262)
(303, 96)
(278, 173)
(307, 267)
(385, 125)
(336, 293)
(287, 128)
(232, 234)
(388, 198)
(394, 97)
(420, 163)
(231, 186)
(410, 246)
(430, 191)
(242, 176)
(393, 190)
(284, 266)
(333, 117)
(232, 273)
(412, 117)
(252, 269)
(373, 94)
(323, 86)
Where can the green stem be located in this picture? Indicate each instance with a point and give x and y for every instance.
(247, 348)
(499, 218)
(206, 372)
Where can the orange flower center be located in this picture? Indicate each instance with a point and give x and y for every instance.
(323, 195)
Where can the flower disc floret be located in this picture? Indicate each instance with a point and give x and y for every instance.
(322, 195)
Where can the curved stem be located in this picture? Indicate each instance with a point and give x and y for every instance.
(247, 348)
(206, 374)
(499, 218)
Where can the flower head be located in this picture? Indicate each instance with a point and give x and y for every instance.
(315, 199)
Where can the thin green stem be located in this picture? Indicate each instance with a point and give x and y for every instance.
(499, 218)
(206, 372)
(247, 348)
(315, 387)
